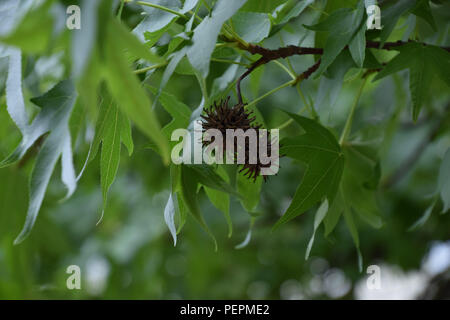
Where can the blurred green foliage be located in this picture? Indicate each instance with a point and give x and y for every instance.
(130, 253)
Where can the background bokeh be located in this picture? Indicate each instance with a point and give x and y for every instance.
(130, 253)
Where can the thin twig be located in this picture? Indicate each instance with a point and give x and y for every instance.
(246, 73)
(284, 52)
(305, 75)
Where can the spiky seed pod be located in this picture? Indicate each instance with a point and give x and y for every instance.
(221, 117)
(253, 170)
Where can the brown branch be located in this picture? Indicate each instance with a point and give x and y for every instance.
(284, 52)
(268, 55)
(393, 45)
(309, 71)
(280, 53)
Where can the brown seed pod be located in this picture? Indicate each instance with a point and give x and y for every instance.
(221, 117)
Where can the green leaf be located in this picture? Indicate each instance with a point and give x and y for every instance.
(320, 215)
(440, 60)
(354, 194)
(87, 86)
(255, 81)
(444, 181)
(188, 5)
(290, 10)
(156, 19)
(14, 95)
(208, 177)
(423, 10)
(182, 212)
(131, 44)
(319, 150)
(184, 67)
(130, 96)
(45, 121)
(205, 34)
(112, 127)
(424, 218)
(221, 200)
(150, 38)
(33, 33)
(341, 26)
(248, 236)
(250, 191)
(334, 213)
(176, 58)
(56, 106)
(370, 61)
(110, 157)
(178, 110)
(108, 114)
(189, 186)
(221, 83)
(390, 16)
(77, 122)
(169, 217)
(175, 205)
(261, 5)
(83, 42)
(419, 78)
(358, 171)
(331, 84)
(126, 133)
(357, 46)
(10, 13)
(423, 61)
(251, 26)
(348, 215)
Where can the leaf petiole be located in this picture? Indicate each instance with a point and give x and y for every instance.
(155, 66)
(348, 123)
(119, 13)
(230, 62)
(157, 6)
(284, 85)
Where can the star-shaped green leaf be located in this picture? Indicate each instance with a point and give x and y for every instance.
(320, 151)
(423, 62)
